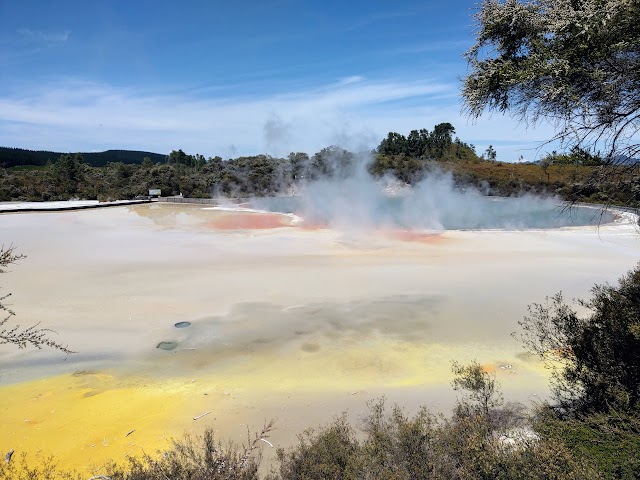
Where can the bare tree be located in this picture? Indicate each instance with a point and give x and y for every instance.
(15, 334)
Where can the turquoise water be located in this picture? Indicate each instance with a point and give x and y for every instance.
(461, 212)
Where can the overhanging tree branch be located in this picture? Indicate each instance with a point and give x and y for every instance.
(575, 64)
(17, 335)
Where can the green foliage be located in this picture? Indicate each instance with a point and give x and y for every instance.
(406, 169)
(264, 175)
(299, 162)
(610, 441)
(435, 145)
(321, 453)
(481, 390)
(68, 172)
(440, 140)
(331, 162)
(11, 157)
(178, 157)
(482, 440)
(595, 358)
(577, 156)
(200, 458)
(490, 153)
(575, 63)
(569, 175)
(394, 445)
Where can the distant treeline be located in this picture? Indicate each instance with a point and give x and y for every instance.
(13, 157)
(435, 145)
(123, 174)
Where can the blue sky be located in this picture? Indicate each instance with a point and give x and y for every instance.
(238, 78)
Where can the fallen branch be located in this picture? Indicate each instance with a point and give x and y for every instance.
(200, 416)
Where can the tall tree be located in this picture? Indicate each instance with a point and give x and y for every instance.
(299, 163)
(415, 146)
(441, 139)
(394, 144)
(491, 153)
(575, 63)
(68, 172)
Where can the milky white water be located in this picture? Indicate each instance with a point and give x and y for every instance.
(287, 321)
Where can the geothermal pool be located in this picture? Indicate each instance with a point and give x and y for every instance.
(449, 211)
(260, 315)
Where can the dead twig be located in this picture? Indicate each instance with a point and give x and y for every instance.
(200, 416)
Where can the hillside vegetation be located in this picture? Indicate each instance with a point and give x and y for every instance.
(118, 174)
(14, 157)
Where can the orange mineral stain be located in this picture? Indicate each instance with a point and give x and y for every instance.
(489, 368)
(249, 221)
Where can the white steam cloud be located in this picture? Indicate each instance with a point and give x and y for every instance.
(352, 200)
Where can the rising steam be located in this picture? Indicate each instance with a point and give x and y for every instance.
(351, 199)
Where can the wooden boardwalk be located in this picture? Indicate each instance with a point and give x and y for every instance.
(61, 207)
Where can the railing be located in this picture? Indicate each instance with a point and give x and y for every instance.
(201, 201)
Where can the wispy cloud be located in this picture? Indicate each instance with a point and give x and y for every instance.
(44, 38)
(74, 115)
(373, 18)
(25, 43)
(351, 79)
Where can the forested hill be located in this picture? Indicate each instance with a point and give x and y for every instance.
(11, 157)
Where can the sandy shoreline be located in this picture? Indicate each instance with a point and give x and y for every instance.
(286, 322)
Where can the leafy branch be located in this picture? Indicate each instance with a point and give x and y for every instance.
(17, 335)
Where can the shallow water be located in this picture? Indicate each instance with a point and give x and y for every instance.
(475, 212)
(290, 322)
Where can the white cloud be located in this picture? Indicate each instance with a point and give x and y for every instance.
(351, 79)
(47, 38)
(74, 115)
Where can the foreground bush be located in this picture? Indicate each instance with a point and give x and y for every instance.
(610, 441)
(22, 468)
(396, 446)
(484, 439)
(595, 360)
(200, 458)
